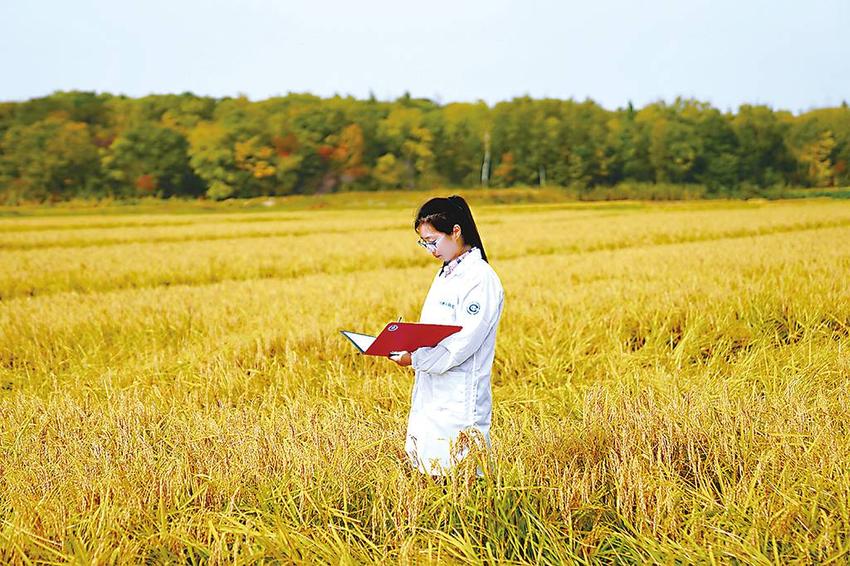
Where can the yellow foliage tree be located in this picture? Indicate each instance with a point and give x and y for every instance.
(816, 157)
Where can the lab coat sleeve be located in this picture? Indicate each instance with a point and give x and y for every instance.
(478, 312)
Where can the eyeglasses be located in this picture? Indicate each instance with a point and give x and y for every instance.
(430, 246)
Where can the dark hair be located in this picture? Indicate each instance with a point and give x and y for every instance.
(443, 213)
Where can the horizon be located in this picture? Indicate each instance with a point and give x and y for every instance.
(438, 102)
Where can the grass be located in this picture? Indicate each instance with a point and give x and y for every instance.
(398, 199)
(670, 385)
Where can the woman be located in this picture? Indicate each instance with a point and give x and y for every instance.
(451, 392)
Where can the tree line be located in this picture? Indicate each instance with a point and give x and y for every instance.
(84, 144)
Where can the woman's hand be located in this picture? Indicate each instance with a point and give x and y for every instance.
(401, 358)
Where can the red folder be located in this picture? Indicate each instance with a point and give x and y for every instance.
(399, 336)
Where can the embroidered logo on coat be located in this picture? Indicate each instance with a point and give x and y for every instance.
(473, 308)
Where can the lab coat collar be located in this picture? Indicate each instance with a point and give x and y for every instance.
(453, 266)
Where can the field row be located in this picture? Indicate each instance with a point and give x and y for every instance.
(84, 231)
(218, 227)
(629, 302)
(349, 246)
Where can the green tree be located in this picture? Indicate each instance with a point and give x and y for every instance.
(211, 158)
(515, 123)
(764, 157)
(150, 159)
(814, 132)
(405, 133)
(626, 146)
(53, 158)
(674, 146)
(459, 142)
(719, 166)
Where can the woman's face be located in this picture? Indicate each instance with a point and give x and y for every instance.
(448, 246)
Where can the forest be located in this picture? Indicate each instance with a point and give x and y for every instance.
(94, 145)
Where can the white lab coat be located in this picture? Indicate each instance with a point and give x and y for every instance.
(451, 392)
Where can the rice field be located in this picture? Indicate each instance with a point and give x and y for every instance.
(670, 385)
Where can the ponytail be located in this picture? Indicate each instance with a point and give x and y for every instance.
(444, 213)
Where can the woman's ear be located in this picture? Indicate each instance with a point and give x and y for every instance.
(456, 232)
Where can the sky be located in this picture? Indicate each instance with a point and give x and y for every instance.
(791, 55)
